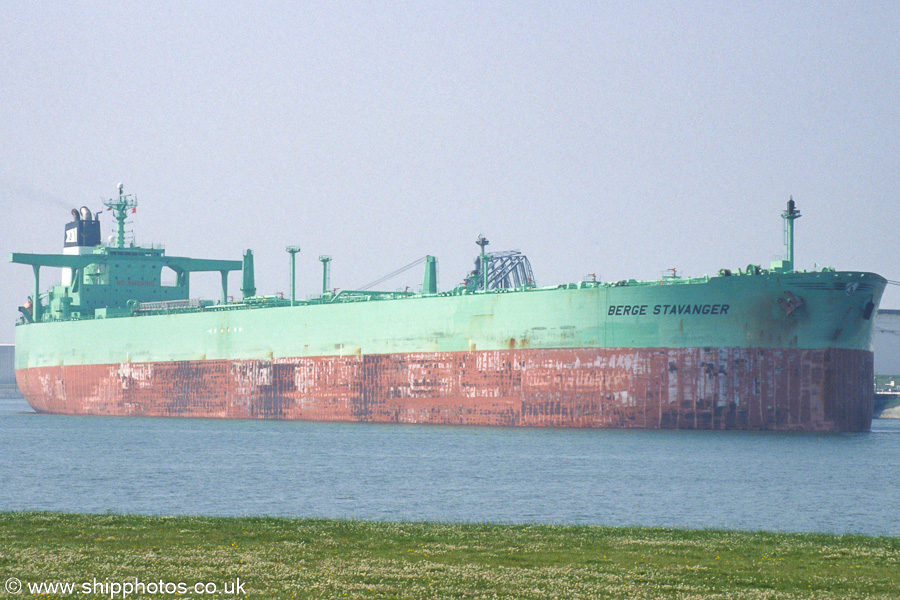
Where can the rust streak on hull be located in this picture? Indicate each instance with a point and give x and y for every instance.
(682, 388)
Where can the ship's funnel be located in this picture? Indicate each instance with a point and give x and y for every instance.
(82, 236)
(83, 231)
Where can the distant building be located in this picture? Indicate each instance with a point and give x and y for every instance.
(7, 364)
(887, 342)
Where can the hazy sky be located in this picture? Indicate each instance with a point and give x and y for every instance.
(617, 138)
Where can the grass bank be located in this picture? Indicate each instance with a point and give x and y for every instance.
(305, 558)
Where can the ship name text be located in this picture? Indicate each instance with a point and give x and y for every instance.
(635, 310)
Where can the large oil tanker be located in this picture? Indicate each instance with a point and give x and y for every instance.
(755, 348)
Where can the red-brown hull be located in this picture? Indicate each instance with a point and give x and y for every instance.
(671, 388)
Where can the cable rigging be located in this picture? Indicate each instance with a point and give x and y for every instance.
(394, 274)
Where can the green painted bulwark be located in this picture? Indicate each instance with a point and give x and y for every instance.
(790, 310)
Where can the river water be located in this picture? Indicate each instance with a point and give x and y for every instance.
(840, 483)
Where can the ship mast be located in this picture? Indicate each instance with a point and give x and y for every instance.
(326, 273)
(789, 216)
(293, 250)
(485, 261)
(120, 208)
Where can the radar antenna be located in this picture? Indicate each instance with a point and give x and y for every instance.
(120, 208)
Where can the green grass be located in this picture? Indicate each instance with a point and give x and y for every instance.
(304, 558)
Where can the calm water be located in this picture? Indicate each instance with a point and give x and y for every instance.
(736, 480)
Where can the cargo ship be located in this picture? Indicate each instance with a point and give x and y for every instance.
(748, 349)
